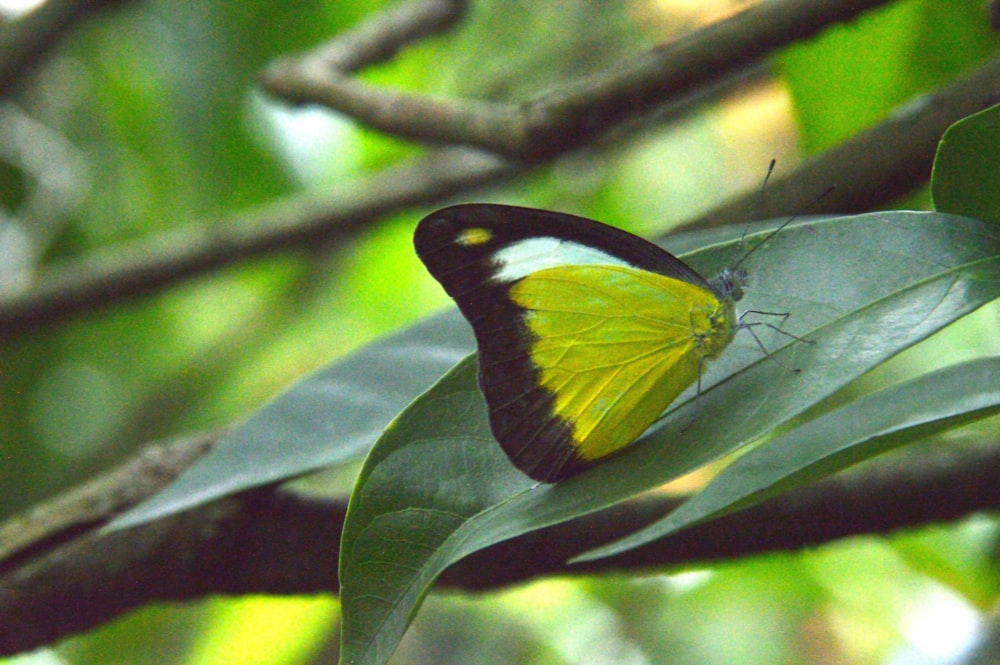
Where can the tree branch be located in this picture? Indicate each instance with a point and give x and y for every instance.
(64, 517)
(124, 273)
(271, 541)
(25, 42)
(546, 127)
(379, 38)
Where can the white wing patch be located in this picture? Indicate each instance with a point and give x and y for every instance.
(527, 256)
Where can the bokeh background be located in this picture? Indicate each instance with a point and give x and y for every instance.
(146, 126)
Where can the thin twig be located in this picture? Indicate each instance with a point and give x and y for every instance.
(548, 126)
(380, 37)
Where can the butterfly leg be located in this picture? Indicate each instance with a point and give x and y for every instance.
(697, 396)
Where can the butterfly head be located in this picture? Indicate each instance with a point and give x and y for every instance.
(729, 284)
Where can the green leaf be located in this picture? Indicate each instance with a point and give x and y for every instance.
(870, 426)
(436, 487)
(329, 418)
(966, 175)
(435, 470)
(918, 45)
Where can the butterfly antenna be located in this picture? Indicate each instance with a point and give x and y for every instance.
(763, 185)
(812, 204)
(763, 188)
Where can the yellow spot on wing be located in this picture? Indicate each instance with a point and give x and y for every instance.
(616, 345)
(473, 236)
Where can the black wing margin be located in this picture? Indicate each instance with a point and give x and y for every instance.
(521, 413)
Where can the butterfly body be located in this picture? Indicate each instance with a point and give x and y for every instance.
(585, 333)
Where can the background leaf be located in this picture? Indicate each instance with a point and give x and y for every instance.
(966, 176)
(329, 418)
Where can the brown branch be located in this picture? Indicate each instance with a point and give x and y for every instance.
(269, 541)
(27, 41)
(546, 127)
(64, 517)
(379, 38)
(323, 77)
(124, 273)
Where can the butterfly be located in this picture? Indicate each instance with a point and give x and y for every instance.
(585, 333)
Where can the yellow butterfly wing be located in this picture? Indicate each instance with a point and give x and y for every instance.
(616, 345)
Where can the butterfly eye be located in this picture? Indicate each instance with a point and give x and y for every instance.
(740, 279)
